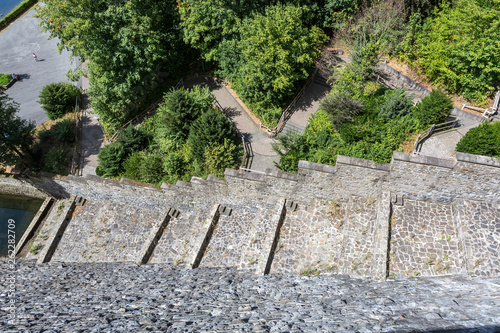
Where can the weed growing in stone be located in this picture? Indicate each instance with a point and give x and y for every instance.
(35, 248)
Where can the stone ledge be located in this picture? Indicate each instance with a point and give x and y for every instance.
(478, 159)
(102, 180)
(422, 159)
(362, 163)
(245, 175)
(282, 174)
(136, 183)
(317, 167)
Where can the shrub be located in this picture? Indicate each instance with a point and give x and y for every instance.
(211, 128)
(133, 139)
(433, 109)
(57, 99)
(132, 165)
(220, 157)
(482, 140)
(396, 105)
(111, 158)
(65, 131)
(341, 107)
(56, 160)
(174, 165)
(151, 169)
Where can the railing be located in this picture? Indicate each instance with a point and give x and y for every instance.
(434, 128)
(75, 161)
(486, 113)
(288, 111)
(140, 117)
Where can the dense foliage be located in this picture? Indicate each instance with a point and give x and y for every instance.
(57, 99)
(129, 45)
(458, 47)
(16, 135)
(186, 137)
(482, 140)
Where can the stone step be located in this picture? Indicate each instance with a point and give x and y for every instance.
(311, 238)
(106, 232)
(180, 240)
(232, 235)
(424, 240)
(358, 236)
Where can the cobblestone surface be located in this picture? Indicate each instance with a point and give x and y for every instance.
(311, 238)
(232, 236)
(176, 243)
(481, 232)
(106, 232)
(161, 298)
(424, 240)
(359, 231)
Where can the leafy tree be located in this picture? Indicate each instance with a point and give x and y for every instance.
(433, 109)
(133, 139)
(482, 140)
(65, 131)
(212, 128)
(132, 165)
(151, 169)
(110, 159)
(16, 136)
(57, 99)
(397, 104)
(220, 157)
(458, 48)
(129, 45)
(56, 160)
(278, 49)
(174, 164)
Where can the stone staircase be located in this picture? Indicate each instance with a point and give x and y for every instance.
(418, 216)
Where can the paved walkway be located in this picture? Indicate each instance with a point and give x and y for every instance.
(17, 43)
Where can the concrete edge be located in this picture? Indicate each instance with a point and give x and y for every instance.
(35, 222)
(62, 222)
(152, 238)
(478, 159)
(245, 175)
(422, 159)
(359, 162)
(317, 167)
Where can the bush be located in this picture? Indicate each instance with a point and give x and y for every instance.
(57, 99)
(341, 107)
(133, 139)
(433, 109)
(111, 158)
(151, 169)
(132, 165)
(174, 165)
(65, 131)
(220, 157)
(396, 105)
(209, 129)
(56, 160)
(482, 140)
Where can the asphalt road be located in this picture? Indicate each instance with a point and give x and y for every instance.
(17, 43)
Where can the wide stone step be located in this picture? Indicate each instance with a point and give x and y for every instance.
(107, 232)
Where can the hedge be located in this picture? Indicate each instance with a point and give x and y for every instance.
(16, 12)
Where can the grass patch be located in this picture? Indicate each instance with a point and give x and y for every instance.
(4, 79)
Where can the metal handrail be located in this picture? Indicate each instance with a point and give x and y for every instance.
(272, 132)
(434, 128)
(75, 161)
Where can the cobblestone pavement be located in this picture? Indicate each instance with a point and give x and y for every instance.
(481, 224)
(161, 298)
(424, 240)
(106, 232)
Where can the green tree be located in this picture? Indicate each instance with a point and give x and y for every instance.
(482, 140)
(396, 105)
(110, 159)
(459, 50)
(278, 49)
(212, 128)
(57, 99)
(129, 45)
(433, 109)
(16, 134)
